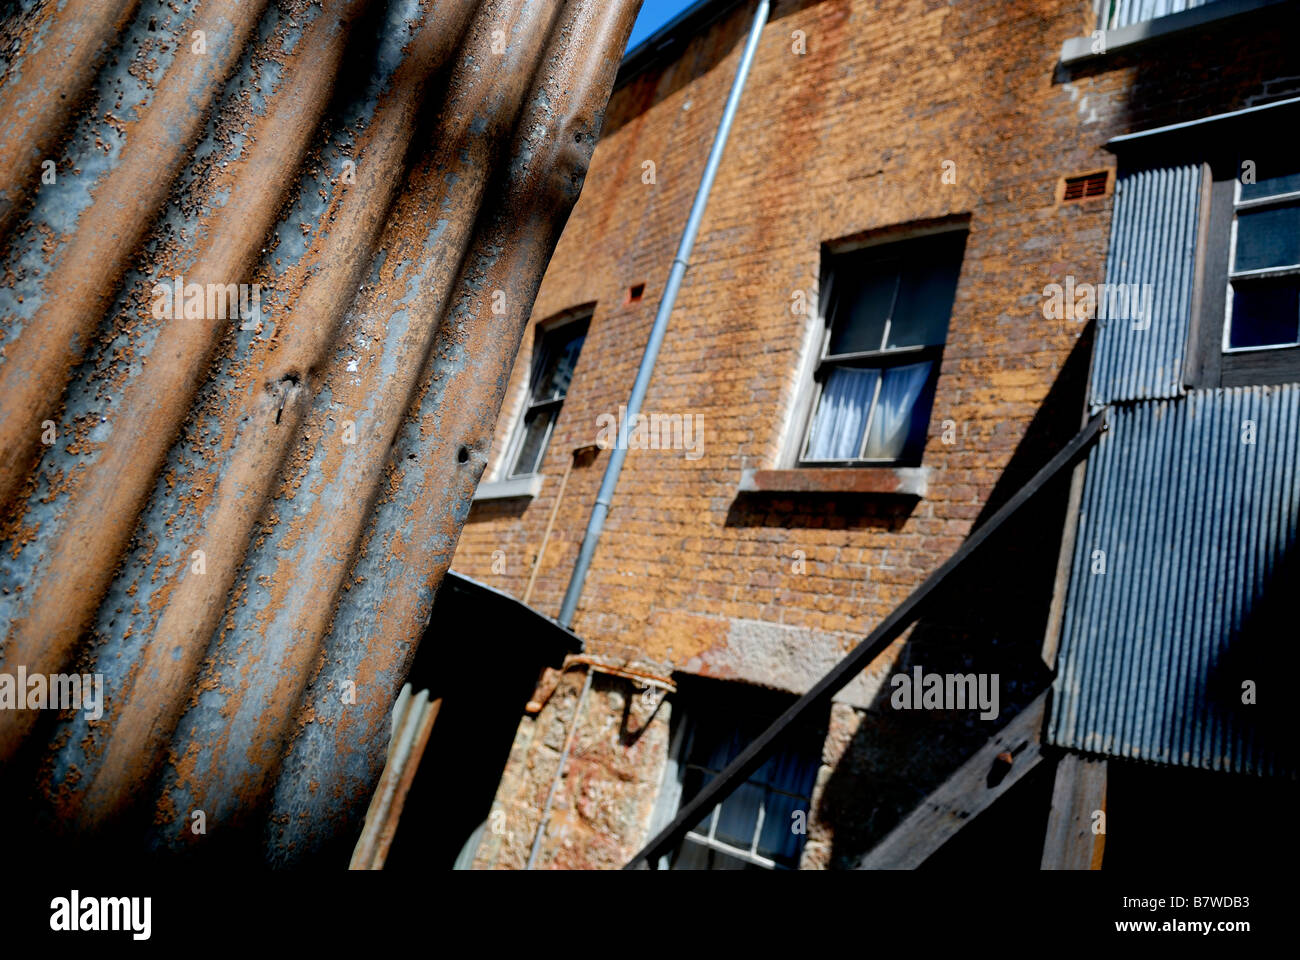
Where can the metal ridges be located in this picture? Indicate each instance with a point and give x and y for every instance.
(1183, 525)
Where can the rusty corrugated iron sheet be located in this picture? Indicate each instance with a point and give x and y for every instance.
(239, 520)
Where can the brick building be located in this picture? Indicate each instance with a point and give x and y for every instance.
(860, 369)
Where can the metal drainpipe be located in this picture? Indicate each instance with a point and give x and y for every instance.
(680, 263)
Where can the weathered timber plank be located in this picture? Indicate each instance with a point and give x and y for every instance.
(963, 796)
(1078, 796)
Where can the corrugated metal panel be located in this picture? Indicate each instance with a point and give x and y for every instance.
(413, 719)
(1191, 523)
(1125, 12)
(238, 518)
(1152, 241)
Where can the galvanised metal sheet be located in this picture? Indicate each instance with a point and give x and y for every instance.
(1153, 253)
(1187, 525)
(240, 521)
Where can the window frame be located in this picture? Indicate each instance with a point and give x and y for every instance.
(727, 698)
(1153, 29)
(881, 359)
(710, 840)
(542, 332)
(1210, 361)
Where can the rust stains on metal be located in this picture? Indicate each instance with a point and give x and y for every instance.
(412, 538)
(60, 47)
(81, 265)
(241, 522)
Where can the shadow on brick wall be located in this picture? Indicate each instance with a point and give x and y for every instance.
(990, 618)
(819, 511)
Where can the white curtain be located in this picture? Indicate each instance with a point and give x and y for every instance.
(842, 414)
(894, 408)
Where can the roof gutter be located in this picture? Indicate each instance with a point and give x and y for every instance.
(600, 510)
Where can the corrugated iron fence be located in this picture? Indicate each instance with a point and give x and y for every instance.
(266, 269)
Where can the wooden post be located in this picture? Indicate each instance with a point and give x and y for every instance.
(991, 772)
(1076, 827)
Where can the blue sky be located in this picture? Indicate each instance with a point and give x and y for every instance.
(654, 14)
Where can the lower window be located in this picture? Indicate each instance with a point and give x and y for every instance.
(762, 825)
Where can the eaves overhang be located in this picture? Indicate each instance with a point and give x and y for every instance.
(667, 43)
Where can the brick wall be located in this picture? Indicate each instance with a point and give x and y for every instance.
(845, 140)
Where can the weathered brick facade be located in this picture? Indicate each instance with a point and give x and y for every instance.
(846, 140)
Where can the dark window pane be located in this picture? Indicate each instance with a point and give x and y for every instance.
(1270, 183)
(559, 356)
(1265, 312)
(792, 769)
(841, 415)
(537, 424)
(778, 841)
(864, 295)
(714, 743)
(693, 782)
(925, 298)
(902, 412)
(738, 818)
(896, 296)
(1268, 238)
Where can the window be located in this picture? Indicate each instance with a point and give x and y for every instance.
(1264, 277)
(1248, 319)
(554, 357)
(1113, 14)
(762, 825)
(1126, 24)
(886, 309)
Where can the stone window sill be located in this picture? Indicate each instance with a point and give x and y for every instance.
(505, 489)
(1079, 49)
(890, 481)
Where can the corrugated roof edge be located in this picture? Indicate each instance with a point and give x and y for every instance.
(471, 587)
(1197, 125)
(666, 42)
